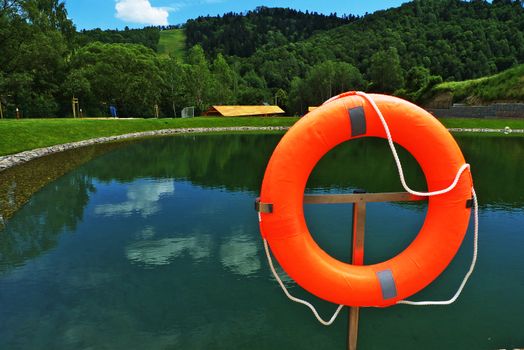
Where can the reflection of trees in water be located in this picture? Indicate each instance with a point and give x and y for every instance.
(234, 162)
(237, 162)
(365, 164)
(498, 166)
(18, 184)
(36, 228)
(55, 208)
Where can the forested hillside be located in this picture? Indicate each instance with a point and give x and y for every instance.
(401, 48)
(235, 34)
(149, 37)
(271, 55)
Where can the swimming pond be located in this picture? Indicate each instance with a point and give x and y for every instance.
(156, 245)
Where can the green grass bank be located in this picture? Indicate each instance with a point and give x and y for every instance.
(506, 86)
(22, 135)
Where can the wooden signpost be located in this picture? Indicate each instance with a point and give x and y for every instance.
(76, 107)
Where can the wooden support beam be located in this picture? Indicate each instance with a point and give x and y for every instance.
(361, 198)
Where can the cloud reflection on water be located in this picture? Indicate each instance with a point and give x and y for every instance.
(163, 251)
(142, 198)
(239, 255)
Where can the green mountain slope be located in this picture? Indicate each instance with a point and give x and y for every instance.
(172, 42)
(506, 86)
(454, 39)
(241, 34)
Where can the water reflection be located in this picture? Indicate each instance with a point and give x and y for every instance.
(233, 162)
(238, 163)
(58, 208)
(160, 252)
(18, 184)
(239, 254)
(142, 198)
(497, 164)
(111, 255)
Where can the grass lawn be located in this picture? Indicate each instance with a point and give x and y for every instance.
(173, 42)
(22, 135)
(482, 123)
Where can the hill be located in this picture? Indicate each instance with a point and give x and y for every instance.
(454, 39)
(172, 42)
(241, 34)
(268, 55)
(148, 36)
(506, 86)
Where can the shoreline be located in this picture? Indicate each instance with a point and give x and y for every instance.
(9, 161)
(12, 160)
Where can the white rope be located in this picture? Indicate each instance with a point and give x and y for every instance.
(397, 160)
(471, 268)
(429, 194)
(417, 193)
(297, 300)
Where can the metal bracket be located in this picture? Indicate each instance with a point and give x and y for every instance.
(265, 208)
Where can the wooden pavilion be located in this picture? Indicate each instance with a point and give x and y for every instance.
(243, 111)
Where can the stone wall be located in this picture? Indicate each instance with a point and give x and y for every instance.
(498, 110)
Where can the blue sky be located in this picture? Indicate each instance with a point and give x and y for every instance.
(111, 14)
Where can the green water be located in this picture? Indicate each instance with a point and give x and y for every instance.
(156, 246)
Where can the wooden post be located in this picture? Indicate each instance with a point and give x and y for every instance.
(359, 200)
(1, 110)
(357, 258)
(75, 105)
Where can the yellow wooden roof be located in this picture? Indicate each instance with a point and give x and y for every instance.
(239, 111)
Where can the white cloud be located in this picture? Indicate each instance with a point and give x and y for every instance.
(141, 11)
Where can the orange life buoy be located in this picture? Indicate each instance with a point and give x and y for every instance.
(344, 118)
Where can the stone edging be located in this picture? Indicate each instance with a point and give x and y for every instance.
(12, 160)
(509, 131)
(9, 161)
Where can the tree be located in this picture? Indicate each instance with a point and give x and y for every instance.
(198, 78)
(385, 71)
(33, 49)
(126, 75)
(280, 98)
(224, 81)
(175, 92)
(417, 78)
(322, 82)
(253, 89)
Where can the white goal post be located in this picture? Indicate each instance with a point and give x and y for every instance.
(188, 112)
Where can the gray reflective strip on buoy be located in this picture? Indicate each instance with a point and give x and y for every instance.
(357, 118)
(387, 284)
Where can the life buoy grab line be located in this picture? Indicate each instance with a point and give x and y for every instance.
(343, 118)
